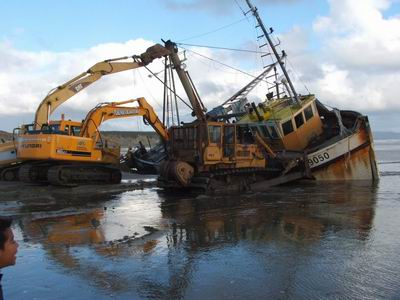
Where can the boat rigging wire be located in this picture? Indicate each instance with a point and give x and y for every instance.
(213, 31)
(297, 75)
(228, 66)
(223, 48)
(292, 68)
(240, 8)
(152, 73)
(145, 87)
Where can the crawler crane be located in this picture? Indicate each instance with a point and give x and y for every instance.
(209, 154)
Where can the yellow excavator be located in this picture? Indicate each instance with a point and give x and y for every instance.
(9, 161)
(68, 152)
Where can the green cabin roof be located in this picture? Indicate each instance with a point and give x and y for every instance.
(278, 109)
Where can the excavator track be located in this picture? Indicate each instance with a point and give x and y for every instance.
(9, 173)
(67, 175)
(33, 173)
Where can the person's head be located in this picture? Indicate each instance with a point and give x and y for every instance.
(8, 246)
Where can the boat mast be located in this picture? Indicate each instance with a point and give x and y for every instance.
(278, 58)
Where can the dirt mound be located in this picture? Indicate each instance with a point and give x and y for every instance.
(124, 138)
(131, 138)
(5, 136)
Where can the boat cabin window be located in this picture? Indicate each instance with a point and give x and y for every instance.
(308, 112)
(299, 120)
(264, 131)
(244, 135)
(214, 133)
(287, 127)
(274, 133)
(255, 130)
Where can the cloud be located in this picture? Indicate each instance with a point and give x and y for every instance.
(355, 67)
(220, 7)
(358, 64)
(26, 78)
(359, 36)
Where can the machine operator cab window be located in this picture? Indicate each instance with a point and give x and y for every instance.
(26, 128)
(184, 137)
(50, 128)
(214, 133)
(75, 130)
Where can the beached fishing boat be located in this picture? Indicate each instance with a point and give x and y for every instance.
(297, 135)
(338, 144)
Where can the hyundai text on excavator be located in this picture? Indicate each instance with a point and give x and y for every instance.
(67, 152)
(10, 162)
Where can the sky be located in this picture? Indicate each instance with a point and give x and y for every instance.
(344, 51)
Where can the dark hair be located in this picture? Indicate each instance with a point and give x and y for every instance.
(5, 223)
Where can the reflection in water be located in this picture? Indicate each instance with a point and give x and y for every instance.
(195, 246)
(301, 218)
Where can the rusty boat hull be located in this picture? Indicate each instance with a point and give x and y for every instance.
(346, 158)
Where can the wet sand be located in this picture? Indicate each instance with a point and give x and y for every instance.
(19, 190)
(134, 241)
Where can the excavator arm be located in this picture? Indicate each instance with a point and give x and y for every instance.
(63, 92)
(116, 110)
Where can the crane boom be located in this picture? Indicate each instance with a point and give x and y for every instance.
(197, 106)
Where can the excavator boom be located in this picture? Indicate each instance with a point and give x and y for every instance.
(64, 92)
(115, 110)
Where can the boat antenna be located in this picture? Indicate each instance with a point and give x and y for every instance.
(271, 44)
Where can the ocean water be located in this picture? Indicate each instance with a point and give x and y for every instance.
(302, 241)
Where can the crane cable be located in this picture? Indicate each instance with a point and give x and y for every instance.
(222, 48)
(213, 31)
(155, 75)
(228, 66)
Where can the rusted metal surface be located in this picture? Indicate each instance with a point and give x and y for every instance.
(354, 166)
(351, 158)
